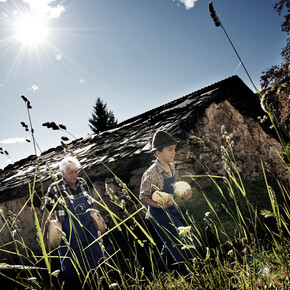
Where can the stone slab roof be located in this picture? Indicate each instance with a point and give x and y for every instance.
(131, 138)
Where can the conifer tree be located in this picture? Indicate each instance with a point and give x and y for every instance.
(102, 119)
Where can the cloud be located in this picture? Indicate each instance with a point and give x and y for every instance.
(13, 140)
(188, 3)
(44, 8)
(3, 1)
(33, 88)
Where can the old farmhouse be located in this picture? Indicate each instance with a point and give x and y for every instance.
(200, 121)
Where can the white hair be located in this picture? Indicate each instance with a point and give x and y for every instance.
(69, 162)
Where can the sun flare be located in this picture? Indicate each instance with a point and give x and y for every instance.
(31, 30)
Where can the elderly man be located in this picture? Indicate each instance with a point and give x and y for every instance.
(69, 201)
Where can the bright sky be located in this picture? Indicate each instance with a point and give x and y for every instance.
(134, 54)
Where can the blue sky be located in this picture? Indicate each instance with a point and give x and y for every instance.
(133, 54)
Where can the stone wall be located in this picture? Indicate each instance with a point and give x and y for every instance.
(250, 143)
(18, 225)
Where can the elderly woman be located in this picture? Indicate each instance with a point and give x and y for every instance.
(69, 200)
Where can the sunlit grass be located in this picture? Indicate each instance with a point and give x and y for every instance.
(243, 246)
(242, 228)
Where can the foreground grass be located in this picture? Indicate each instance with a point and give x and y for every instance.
(243, 230)
(245, 246)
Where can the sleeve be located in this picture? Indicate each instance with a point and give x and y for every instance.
(49, 198)
(146, 186)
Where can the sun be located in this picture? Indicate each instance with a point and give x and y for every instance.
(31, 30)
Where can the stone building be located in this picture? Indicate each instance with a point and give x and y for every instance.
(198, 120)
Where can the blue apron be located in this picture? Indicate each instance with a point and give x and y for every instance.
(79, 237)
(166, 223)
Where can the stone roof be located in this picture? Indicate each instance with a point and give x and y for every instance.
(130, 139)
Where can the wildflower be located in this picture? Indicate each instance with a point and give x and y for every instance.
(54, 126)
(259, 284)
(46, 124)
(262, 120)
(207, 214)
(194, 261)
(27, 102)
(230, 252)
(223, 130)
(183, 231)
(63, 138)
(61, 126)
(13, 233)
(113, 196)
(265, 271)
(224, 151)
(273, 195)
(25, 126)
(55, 273)
(244, 241)
(244, 251)
(263, 103)
(113, 285)
(51, 125)
(244, 244)
(228, 139)
(267, 213)
(213, 15)
(2, 151)
(123, 204)
(24, 99)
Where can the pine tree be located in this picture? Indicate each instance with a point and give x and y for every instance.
(102, 119)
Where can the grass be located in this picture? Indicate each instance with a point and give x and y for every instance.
(243, 230)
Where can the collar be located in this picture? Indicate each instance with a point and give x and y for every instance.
(160, 169)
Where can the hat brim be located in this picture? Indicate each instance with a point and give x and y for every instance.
(164, 145)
